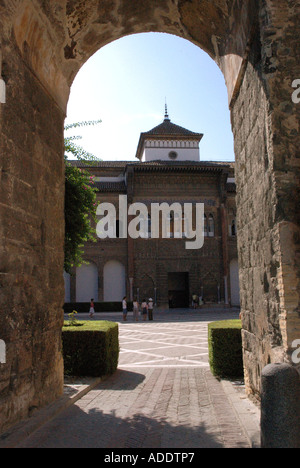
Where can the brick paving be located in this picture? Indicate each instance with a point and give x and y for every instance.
(163, 394)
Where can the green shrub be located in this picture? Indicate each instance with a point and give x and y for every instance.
(91, 349)
(225, 348)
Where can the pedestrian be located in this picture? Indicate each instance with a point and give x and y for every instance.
(144, 307)
(92, 309)
(124, 307)
(135, 310)
(195, 301)
(150, 309)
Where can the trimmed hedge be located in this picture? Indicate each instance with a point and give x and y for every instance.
(225, 348)
(82, 307)
(90, 349)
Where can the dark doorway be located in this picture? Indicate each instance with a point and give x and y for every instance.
(178, 288)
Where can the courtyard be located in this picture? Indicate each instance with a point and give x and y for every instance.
(163, 394)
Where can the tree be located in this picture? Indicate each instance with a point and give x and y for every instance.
(80, 200)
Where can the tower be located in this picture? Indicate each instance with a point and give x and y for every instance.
(169, 142)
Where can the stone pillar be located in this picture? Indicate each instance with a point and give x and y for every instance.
(280, 407)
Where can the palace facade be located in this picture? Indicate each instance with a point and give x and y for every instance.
(167, 169)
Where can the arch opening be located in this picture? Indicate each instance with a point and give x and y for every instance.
(114, 281)
(43, 46)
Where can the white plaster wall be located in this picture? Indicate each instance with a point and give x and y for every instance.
(86, 283)
(159, 150)
(114, 282)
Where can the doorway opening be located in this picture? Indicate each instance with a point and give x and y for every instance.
(178, 290)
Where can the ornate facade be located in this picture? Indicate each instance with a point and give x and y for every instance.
(168, 170)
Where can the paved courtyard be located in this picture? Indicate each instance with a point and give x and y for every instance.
(163, 394)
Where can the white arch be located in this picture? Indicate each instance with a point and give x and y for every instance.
(234, 282)
(87, 283)
(114, 282)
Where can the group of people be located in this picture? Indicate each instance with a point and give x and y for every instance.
(145, 307)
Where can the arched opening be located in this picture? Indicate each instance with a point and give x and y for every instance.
(114, 281)
(128, 102)
(145, 288)
(43, 45)
(87, 283)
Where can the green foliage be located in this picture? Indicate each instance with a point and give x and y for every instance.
(80, 201)
(80, 209)
(225, 348)
(73, 148)
(91, 350)
(72, 319)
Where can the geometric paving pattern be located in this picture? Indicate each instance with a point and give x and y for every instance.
(162, 395)
(163, 345)
(174, 339)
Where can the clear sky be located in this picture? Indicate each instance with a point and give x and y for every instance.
(126, 83)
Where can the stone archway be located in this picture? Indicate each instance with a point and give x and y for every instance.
(43, 45)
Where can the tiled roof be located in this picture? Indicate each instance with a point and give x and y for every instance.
(166, 130)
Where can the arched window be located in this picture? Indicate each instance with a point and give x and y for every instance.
(211, 226)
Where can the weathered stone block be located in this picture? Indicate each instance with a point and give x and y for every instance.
(280, 407)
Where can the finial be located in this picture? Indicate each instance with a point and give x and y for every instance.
(166, 112)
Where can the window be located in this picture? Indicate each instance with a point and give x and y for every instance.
(173, 155)
(149, 227)
(211, 226)
(117, 229)
(205, 226)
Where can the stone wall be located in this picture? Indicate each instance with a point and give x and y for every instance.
(264, 121)
(43, 45)
(31, 246)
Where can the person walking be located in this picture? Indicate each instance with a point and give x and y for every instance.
(144, 307)
(124, 308)
(150, 308)
(195, 301)
(135, 310)
(92, 309)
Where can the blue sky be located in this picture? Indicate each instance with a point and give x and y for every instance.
(125, 84)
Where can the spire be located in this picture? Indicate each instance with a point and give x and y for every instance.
(166, 112)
